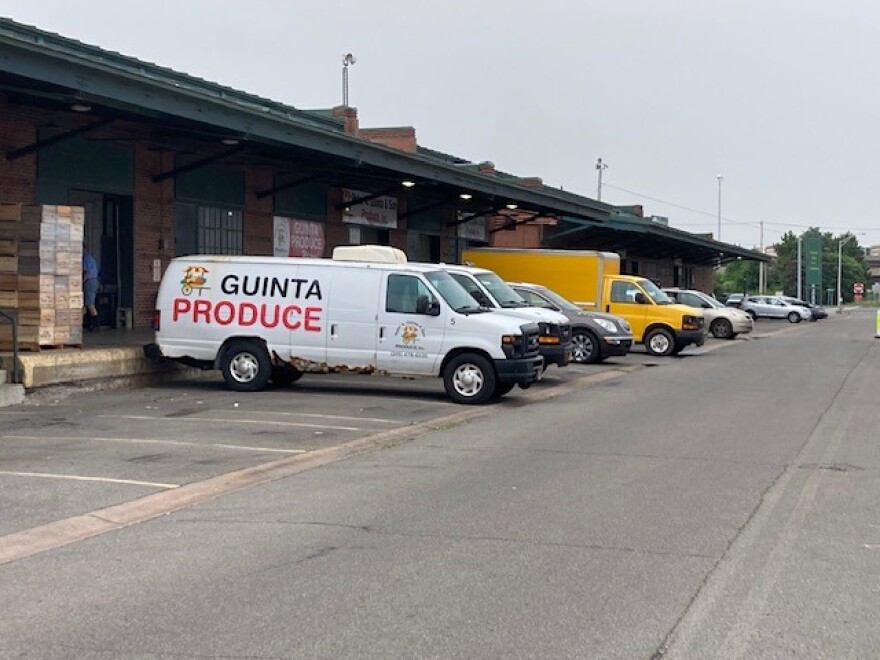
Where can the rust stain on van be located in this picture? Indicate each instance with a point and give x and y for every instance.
(310, 366)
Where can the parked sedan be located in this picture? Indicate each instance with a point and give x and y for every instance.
(595, 336)
(723, 322)
(734, 299)
(816, 311)
(775, 308)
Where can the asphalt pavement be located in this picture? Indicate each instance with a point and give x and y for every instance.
(719, 504)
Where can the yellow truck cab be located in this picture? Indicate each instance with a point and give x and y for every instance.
(592, 280)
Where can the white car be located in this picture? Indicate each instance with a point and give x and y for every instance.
(723, 322)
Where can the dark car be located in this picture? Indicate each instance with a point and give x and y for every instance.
(734, 299)
(595, 336)
(817, 311)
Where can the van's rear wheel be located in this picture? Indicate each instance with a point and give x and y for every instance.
(469, 378)
(245, 366)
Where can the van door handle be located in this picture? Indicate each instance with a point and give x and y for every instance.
(333, 330)
(382, 332)
(607, 308)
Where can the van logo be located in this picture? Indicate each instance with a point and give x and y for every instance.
(194, 280)
(409, 333)
(408, 345)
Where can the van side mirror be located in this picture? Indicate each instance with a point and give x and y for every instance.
(641, 298)
(427, 306)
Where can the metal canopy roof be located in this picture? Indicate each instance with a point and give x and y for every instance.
(61, 71)
(50, 70)
(647, 239)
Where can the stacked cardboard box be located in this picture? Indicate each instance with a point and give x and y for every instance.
(41, 277)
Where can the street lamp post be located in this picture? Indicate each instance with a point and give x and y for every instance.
(600, 166)
(347, 60)
(720, 179)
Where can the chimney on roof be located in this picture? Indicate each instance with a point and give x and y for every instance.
(349, 116)
(486, 167)
(402, 138)
(531, 182)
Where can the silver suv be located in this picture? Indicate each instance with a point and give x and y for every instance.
(774, 308)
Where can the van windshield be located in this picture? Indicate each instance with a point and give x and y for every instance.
(656, 294)
(505, 296)
(452, 292)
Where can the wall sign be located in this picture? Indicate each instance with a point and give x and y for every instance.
(297, 238)
(473, 229)
(380, 212)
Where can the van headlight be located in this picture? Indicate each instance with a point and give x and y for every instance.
(691, 323)
(548, 333)
(605, 323)
(512, 345)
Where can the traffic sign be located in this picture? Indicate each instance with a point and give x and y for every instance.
(858, 287)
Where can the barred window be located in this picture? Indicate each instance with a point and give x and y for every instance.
(220, 231)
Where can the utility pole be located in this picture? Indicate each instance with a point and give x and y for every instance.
(799, 267)
(761, 263)
(720, 179)
(840, 245)
(600, 166)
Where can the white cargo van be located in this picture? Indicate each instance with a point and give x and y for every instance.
(488, 289)
(262, 318)
(491, 292)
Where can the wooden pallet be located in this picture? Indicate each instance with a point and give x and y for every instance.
(33, 347)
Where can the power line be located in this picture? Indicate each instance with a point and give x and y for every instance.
(678, 206)
(728, 220)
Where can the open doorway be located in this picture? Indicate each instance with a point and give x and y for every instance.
(109, 235)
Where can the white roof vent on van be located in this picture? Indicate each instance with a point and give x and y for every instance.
(384, 254)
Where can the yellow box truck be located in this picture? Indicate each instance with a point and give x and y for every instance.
(592, 280)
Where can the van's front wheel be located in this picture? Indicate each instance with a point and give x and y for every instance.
(469, 378)
(660, 342)
(245, 366)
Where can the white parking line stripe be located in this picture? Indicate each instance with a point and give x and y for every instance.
(73, 477)
(299, 414)
(233, 421)
(152, 441)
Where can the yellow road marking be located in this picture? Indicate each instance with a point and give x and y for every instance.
(73, 477)
(233, 421)
(152, 441)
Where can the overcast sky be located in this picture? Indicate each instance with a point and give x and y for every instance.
(781, 97)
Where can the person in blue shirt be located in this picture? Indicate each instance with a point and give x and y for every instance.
(90, 288)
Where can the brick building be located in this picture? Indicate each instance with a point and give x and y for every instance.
(166, 164)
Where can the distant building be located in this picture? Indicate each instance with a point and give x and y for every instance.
(872, 259)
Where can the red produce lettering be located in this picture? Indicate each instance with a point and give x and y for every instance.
(226, 312)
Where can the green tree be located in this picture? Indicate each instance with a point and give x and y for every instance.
(782, 275)
(738, 276)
